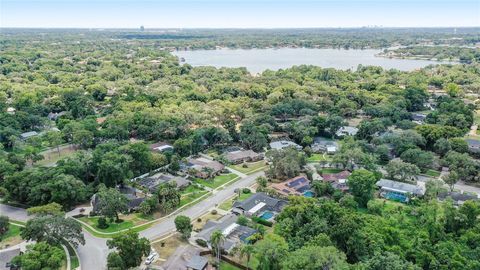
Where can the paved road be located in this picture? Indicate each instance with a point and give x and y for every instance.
(14, 213)
(167, 225)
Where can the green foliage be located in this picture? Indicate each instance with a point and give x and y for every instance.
(315, 257)
(129, 249)
(102, 223)
(53, 230)
(40, 256)
(270, 252)
(285, 163)
(362, 185)
(110, 202)
(47, 209)
(4, 225)
(168, 196)
(184, 226)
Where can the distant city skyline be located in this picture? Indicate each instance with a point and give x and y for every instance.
(238, 14)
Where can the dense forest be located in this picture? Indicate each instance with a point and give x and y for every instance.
(109, 94)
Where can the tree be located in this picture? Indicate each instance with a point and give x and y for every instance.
(83, 138)
(451, 179)
(246, 250)
(399, 170)
(453, 90)
(252, 137)
(348, 201)
(262, 182)
(415, 98)
(322, 188)
(115, 262)
(110, 202)
(54, 139)
(216, 241)
(47, 209)
(184, 226)
(40, 256)
(362, 185)
(314, 257)
(388, 261)
(129, 248)
(53, 230)
(270, 252)
(4, 225)
(442, 146)
(422, 159)
(168, 196)
(285, 163)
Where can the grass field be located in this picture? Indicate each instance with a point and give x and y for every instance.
(251, 167)
(432, 173)
(197, 225)
(318, 158)
(52, 156)
(217, 181)
(128, 222)
(330, 170)
(12, 237)
(186, 199)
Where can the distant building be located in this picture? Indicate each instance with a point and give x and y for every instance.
(338, 180)
(28, 135)
(204, 167)
(457, 197)
(259, 205)
(280, 145)
(347, 131)
(234, 233)
(132, 195)
(296, 186)
(399, 191)
(419, 118)
(241, 156)
(152, 182)
(473, 145)
(324, 145)
(161, 147)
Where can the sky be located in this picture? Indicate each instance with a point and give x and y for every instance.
(238, 13)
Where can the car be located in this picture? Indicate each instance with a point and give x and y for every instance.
(151, 258)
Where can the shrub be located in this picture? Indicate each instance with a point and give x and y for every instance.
(244, 165)
(246, 191)
(102, 223)
(199, 220)
(262, 221)
(242, 220)
(201, 242)
(214, 212)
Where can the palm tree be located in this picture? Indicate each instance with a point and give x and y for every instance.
(216, 240)
(246, 251)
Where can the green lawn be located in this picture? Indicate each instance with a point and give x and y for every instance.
(191, 197)
(318, 158)
(330, 170)
(217, 181)
(190, 189)
(227, 266)
(12, 236)
(251, 167)
(114, 227)
(432, 173)
(52, 157)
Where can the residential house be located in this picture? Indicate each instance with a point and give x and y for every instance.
(234, 233)
(241, 156)
(324, 145)
(419, 118)
(399, 191)
(337, 180)
(134, 199)
(296, 186)
(27, 135)
(6, 256)
(161, 147)
(473, 145)
(457, 197)
(204, 167)
(54, 116)
(282, 144)
(197, 262)
(347, 131)
(152, 182)
(259, 205)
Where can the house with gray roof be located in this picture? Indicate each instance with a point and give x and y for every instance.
(258, 204)
(473, 145)
(152, 182)
(234, 233)
(241, 156)
(347, 131)
(197, 262)
(457, 197)
(280, 145)
(27, 135)
(399, 191)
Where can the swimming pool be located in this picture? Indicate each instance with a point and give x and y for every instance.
(266, 215)
(308, 194)
(396, 197)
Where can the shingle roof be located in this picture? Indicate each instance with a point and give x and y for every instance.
(400, 187)
(272, 204)
(197, 262)
(241, 154)
(283, 144)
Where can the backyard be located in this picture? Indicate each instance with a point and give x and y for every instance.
(318, 158)
(51, 156)
(216, 181)
(249, 167)
(12, 236)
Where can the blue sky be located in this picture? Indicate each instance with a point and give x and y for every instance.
(238, 13)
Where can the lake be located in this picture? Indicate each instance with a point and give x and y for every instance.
(258, 60)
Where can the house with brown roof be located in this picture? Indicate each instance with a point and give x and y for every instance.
(241, 156)
(295, 186)
(203, 167)
(338, 180)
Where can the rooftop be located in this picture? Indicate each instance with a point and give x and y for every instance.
(197, 262)
(283, 144)
(401, 187)
(269, 203)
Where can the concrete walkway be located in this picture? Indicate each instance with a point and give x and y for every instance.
(236, 172)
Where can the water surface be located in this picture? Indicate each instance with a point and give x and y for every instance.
(258, 60)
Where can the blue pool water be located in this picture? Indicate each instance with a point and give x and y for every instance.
(308, 194)
(266, 215)
(396, 197)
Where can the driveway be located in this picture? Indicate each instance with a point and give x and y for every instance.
(167, 225)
